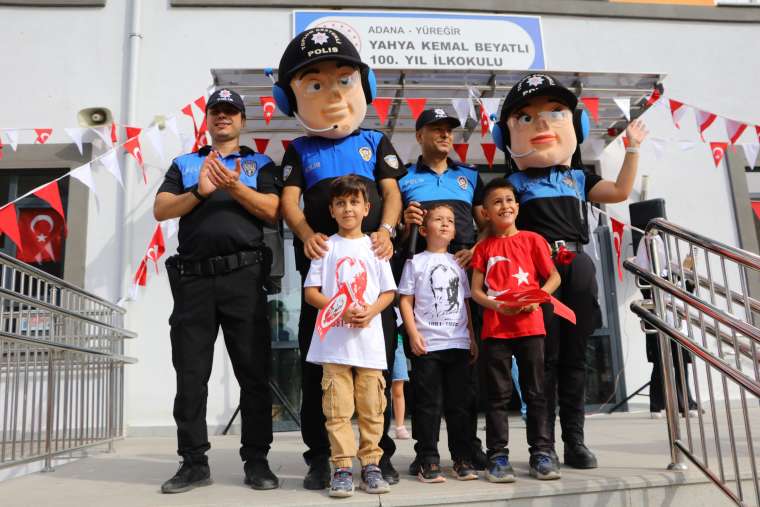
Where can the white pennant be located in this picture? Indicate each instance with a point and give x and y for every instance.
(732, 126)
(491, 105)
(463, 108)
(12, 136)
(84, 174)
(111, 163)
(154, 136)
(686, 145)
(658, 146)
(103, 133)
(171, 124)
(678, 114)
(76, 135)
(751, 152)
(170, 227)
(624, 103)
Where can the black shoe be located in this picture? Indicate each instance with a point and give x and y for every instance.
(390, 474)
(190, 475)
(414, 467)
(259, 476)
(479, 459)
(578, 456)
(319, 474)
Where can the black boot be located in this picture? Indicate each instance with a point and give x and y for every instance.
(577, 455)
(318, 476)
(191, 474)
(390, 474)
(258, 475)
(479, 459)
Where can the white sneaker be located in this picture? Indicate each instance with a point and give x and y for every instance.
(402, 433)
(656, 415)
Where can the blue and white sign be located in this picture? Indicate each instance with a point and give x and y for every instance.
(428, 40)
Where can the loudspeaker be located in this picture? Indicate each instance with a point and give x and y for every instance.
(641, 213)
(94, 117)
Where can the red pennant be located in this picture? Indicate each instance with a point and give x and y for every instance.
(156, 247)
(756, 208)
(200, 138)
(42, 135)
(188, 110)
(461, 149)
(718, 151)
(267, 103)
(592, 106)
(489, 149)
(141, 275)
(52, 195)
(41, 233)
(676, 111)
(132, 146)
(704, 120)
(201, 103)
(757, 131)
(382, 104)
(740, 128)
(261, 144)
(285, 144)
(654, 97)
(617, 240)
(416, 106)
(114, 138)
(9, 225)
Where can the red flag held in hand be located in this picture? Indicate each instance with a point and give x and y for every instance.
(617, 240)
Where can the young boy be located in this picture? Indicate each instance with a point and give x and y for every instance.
(435, 307)
(512, 260)
(352, 351)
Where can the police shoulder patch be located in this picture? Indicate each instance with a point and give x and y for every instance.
(249, 167)
(366, 153)
(286, 171)
(391, 160)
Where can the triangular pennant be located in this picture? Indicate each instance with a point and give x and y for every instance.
(750, 153)
(624, 103)
(484, 123)
(111, 163)
(12, 136)
(188, 142)
(42, 135)
(491, 107)
(592, 106)
(104, 133)
(141, 275)
(756, 208)
(617, 240)
(267, 104)
(156, 247)
(154, 136)
(382, 105)
(9, 224)
(704, 120)
(114, 137)
(489, 149)
(171, 124)
(188, 110)
(654, 97)
(76, 135)
(734, 129)
(261, 144)
(718, 151)
(51, 194)
(84, 174)
(462, 107)
(461, 149)
(416, 106)
(285, 144)
(658, 146)
(132, 146)
(200, 103)
(677, 110)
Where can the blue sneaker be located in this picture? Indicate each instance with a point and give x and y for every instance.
(342, 483)
(499, 470)
(543, 468)
(372, 480)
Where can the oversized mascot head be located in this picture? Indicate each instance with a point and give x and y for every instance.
(323, 82)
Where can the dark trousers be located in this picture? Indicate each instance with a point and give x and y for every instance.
(565, 348)
(235, 302)
(656, 387)
(441, 379)
(529, 351)
(313, 429)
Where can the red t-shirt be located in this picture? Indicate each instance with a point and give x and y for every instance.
(522, 261)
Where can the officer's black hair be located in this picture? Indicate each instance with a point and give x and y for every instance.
(350, 184)
(498, 183)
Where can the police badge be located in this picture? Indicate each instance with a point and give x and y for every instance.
(249, 167)
(462, 181)
(366, 153)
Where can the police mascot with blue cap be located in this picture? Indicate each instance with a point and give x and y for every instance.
(540, 130)
(323, 83)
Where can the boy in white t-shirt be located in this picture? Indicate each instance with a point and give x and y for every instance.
(352, 350)
(436, 312)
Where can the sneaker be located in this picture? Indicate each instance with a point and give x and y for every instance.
(390, 474)
(190, 475)
(431, 473)
(479, 459)
(578, 456)
(555, 459)
(463, 471)
(342, 483)
(656, 415)
(402, 433)
(543, 468)
(318, 476)
(258, 475)
(499, 470)
(372, 480)
(414, 466)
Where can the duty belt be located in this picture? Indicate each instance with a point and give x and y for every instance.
(217, 265)
(573, 246)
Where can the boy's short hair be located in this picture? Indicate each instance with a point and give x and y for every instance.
(434, 207)
(495, 184)
(350, 184)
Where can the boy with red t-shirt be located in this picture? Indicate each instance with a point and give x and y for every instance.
(512, 260)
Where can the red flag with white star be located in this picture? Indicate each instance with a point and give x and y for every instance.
(132, 146)
(42, 135)
(157, 246)
(718, 150)
(617, 240)
(41, 233)
(267, 104)
(141, 275)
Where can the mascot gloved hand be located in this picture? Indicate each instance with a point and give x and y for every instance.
(324, 84)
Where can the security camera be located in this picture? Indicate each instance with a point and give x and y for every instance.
(94, 117)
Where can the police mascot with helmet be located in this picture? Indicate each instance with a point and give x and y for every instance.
(323, 83)
(540, 130)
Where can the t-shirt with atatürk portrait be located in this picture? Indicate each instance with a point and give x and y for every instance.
(440, 289)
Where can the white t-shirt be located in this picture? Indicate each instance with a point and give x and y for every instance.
(440, 288)
(351, 261)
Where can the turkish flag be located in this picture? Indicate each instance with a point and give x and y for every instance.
(42, 135)
(382, 104)
(518, 299)
(132, 146)
(41, 232)
(201, 103)
(156, 247)
(484, 123)
(333, 311)
(704, 120)
(141, 275)
(617, 240)
(718, 152)
(267, 103)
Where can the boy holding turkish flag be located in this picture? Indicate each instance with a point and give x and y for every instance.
(508, 262)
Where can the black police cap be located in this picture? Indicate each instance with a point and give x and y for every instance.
(226, 96)
(316, 45)
(429, 116)
(536, 85)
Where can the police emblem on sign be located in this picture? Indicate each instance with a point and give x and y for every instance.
(366, 153)
(286, 171)
(462, 182)
(392, 161)
(249, 167)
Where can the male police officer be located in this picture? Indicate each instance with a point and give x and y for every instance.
(433, 179)
(223, 194)
(325, 85)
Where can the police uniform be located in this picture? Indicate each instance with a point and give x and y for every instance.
(216, 279)
(553, 204)
(312, 163)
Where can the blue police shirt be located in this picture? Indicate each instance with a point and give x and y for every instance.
(220, 225)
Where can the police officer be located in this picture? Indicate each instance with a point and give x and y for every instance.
(223, 194)
(323, 83)
(433, 179)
